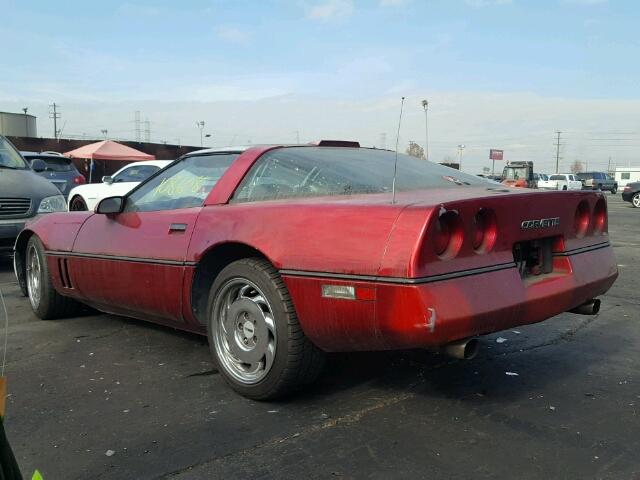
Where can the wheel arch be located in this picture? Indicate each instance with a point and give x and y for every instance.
(210, 265)
(19, 264)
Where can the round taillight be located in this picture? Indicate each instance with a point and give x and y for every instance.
(484, 230)
(448, 235)
(581, 222)
(600, 217)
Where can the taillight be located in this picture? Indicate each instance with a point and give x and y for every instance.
(600, 217)
(581, 222)
(448, 235)
(484, 231)
(79, 180)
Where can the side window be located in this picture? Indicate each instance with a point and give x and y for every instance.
(625, 176)
(184, 184)
(136, 173)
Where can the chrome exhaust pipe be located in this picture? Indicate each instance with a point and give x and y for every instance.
(462, 349)
(590, 307)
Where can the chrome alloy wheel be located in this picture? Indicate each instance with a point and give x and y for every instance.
(244, 331)
(636, 200)
(34, 277)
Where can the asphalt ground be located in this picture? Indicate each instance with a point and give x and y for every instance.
(102, 396)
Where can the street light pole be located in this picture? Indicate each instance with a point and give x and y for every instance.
(200, 125)
(425, 105)
(461, 147)
(26, 121)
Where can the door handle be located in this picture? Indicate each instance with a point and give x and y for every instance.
(178, 228)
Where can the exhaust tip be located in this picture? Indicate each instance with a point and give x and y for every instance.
(462, 349)
(590, 307)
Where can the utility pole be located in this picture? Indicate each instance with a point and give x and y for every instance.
(147, 130)
(53, 113)
(425, 105)
(558, 132)
(136, 121)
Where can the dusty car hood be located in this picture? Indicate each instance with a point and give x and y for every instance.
(25, 183)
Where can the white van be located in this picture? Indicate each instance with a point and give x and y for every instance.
(626, 175)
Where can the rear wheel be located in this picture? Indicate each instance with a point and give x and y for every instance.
(77, 204)
(635, 200)
(614, 190)
(254, 333)
(564, 187)
(45, 301)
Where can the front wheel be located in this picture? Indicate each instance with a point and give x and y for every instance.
(614, 190)
(77, 204)
(254, 333)
(564, 187)
(45, 301)
(635, 200)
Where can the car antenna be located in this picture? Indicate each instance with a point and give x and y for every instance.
(395, 163)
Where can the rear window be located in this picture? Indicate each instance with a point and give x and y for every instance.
(585, 176)
(299, 172)
(557, 177)
(54, 164)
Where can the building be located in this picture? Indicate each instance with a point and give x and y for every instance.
(626, 175)
(18, 125)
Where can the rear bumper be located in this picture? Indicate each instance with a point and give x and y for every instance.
(399, 316)
(627, 196)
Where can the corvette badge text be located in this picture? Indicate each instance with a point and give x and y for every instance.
(541, 223)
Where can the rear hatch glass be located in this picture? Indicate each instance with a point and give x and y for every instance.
(55, 164)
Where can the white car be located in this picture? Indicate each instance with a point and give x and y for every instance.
(562, 181)
(544, 182)
(86, 197)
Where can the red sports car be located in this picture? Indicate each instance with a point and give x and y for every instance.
(282, 253)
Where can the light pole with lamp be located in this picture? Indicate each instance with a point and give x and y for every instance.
(200, 125)
(26, 121)
(461, 148)
(425, 105)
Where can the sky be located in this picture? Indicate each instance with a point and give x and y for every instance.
(501, 74)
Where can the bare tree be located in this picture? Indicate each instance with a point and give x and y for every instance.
(576, 167)
(415, 150)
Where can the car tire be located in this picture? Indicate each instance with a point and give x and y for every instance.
(564, 187)
(254, 333)
(635, 200)
(614, 190)
(77, 204)
(45, 301)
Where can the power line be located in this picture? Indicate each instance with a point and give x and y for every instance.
(558, 151)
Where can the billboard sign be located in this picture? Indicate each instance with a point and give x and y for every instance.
(496, 154)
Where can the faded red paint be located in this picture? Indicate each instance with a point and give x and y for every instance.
(364, 235)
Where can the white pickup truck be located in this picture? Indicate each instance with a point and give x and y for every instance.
(561, 181)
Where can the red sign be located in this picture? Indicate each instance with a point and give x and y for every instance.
(496, 154)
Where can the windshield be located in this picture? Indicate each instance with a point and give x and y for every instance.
(515, 173)
(53, 164)
(184, 184)
(9, 156)
(322, 171)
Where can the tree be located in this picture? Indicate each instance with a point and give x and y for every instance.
(415, 150)
(576, 167)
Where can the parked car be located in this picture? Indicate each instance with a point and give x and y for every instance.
(541, 179)
(597, 181)
(86, 197)
(631, 193)
(23, 195)
(58, 169)
(263, 251)
(562, 181)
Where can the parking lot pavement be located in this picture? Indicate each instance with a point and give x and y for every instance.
(88, 386)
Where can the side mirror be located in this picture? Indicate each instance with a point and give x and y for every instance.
(110, 205)
(107, 179)
(38, 165)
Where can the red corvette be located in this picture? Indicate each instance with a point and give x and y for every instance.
(282, 253)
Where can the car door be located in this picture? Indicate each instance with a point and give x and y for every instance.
(133, 262)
